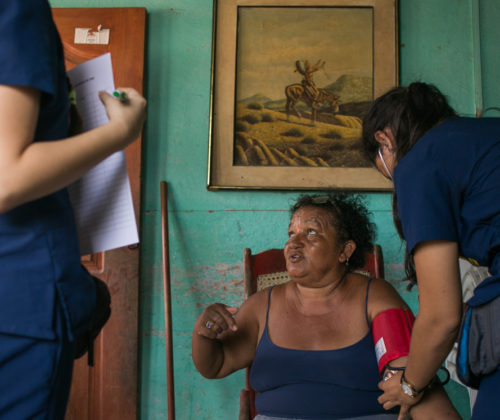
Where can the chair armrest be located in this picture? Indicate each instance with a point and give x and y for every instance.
(244, 413)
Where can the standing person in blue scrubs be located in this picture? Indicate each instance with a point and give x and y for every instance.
(446, 174)
(46, 297)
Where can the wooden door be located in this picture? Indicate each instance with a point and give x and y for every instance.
(109, 389)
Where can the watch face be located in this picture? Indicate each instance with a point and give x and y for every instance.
(407, 390)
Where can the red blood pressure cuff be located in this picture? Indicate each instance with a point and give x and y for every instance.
(391, 332)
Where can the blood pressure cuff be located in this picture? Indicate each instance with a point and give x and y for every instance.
(391, 332)
(479, 343)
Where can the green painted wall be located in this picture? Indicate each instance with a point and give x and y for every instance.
(208, 230)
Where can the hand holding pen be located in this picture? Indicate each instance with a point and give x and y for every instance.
(126, 112)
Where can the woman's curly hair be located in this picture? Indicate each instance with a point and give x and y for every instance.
(350, 219)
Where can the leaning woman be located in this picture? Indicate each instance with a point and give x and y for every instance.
(446, 174)
(309, 341)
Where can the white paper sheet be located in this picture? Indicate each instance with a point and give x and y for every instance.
(101, 199)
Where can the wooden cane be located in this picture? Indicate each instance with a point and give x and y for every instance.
(167, 302)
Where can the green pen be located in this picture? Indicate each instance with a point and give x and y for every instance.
(72, 97)
(121, 96)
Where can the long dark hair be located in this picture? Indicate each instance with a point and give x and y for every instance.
(410, 272)
(409, 112)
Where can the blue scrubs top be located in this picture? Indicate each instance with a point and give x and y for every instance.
(448, 188)
(39, 252)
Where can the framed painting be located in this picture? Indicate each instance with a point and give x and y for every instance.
(291, 81)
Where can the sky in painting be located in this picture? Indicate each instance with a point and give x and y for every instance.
(271, 39)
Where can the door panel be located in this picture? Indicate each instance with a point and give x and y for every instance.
(109, 389)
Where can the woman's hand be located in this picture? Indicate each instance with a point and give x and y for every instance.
(393, 396)
(225, 338)
(127, 116)
(217, 344)
(216, 320)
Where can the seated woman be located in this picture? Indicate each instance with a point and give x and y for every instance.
(309, 341)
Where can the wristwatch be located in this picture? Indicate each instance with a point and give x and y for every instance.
(408, 388)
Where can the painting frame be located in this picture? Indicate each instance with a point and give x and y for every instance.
(222, 172)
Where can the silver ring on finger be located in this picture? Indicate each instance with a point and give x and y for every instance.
(209, 324)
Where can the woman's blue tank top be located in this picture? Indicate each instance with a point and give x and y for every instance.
(316, 384)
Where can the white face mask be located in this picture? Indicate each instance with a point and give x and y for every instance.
(385, 164)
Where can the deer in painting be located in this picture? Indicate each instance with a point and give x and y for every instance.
(308, 93)
(295, 93)
(307, 71)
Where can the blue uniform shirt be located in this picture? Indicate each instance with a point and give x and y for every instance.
(448, 188)
(39, 253)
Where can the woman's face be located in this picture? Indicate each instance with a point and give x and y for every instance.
(312, 251)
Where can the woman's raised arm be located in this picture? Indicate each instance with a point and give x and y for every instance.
(225, 339)
(30, 170)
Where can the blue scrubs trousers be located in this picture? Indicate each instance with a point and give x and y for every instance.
(35, 374)
(487, 404)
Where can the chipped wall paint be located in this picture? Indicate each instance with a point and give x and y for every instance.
(209, 230)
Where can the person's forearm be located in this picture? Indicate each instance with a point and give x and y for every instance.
(434, 406)
(208, 355)
(32, 169)
(46, 167)
(431, 341)
(440, 309)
